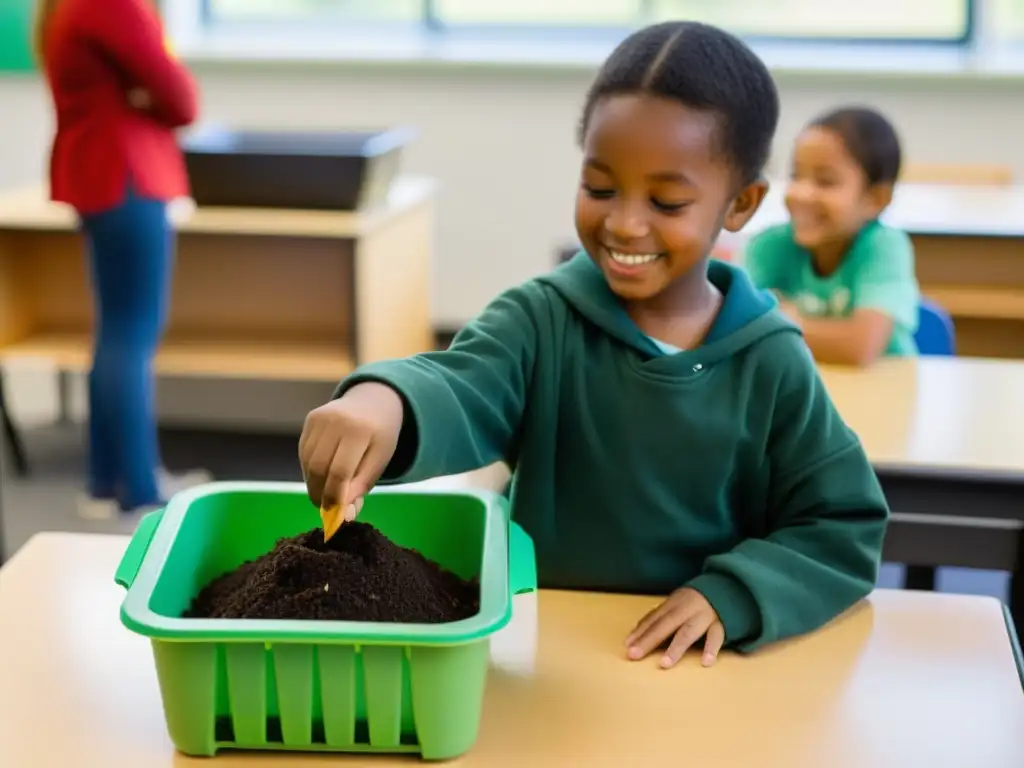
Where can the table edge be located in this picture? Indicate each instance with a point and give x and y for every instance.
(986, 233)
(1015, 647)
(950, 472)
(420, 190)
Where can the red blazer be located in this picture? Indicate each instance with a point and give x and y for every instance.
(95, 53)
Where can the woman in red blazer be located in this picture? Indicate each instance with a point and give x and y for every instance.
(118, 95)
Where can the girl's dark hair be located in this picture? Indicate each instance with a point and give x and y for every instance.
(869, 138)
(701, 67)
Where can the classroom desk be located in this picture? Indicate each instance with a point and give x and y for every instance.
(903, 679)
(265, 294)
(946, 438)
(969, 245)
(936, 414)
(947, 442)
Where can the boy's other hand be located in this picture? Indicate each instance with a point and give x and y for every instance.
(347, 444)
(686, 616)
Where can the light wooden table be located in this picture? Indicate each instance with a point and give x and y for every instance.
(946, 437)
(969, 243)
(265, 294)
(954, 416)
(904, 679)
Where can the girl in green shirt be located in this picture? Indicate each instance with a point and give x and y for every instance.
(840, 274)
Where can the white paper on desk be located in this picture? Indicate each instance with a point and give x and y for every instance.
(514, 647)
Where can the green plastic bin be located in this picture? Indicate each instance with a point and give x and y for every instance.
(319, 686)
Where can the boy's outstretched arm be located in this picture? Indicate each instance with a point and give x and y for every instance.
(462, 406)
(826, 521)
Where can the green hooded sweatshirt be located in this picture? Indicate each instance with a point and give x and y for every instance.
(725, 468)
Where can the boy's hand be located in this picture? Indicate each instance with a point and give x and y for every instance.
(347, 444)
(686, 616)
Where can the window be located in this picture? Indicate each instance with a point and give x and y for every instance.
(932, 20)
(313, 11)
(1008, 20)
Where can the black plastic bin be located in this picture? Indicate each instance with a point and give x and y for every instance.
(336, 170)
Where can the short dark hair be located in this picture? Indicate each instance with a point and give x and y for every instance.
(701, 67)
(869, 138)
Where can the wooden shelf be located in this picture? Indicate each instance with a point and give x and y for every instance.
(269, 295)
(229, 359)
(978, 302)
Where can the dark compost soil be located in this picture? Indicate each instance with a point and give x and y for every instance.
(359, 575)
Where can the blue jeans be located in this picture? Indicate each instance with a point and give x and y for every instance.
(131, 257)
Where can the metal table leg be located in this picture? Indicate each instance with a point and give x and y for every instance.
(920, 577)
(1018, 656)
(1016, 606)
(11, 436)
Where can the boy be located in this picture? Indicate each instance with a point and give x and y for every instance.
(667, 427)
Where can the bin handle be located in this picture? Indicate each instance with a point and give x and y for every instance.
(133, 556)
(522, 560)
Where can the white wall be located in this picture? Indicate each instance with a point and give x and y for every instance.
(502, 145)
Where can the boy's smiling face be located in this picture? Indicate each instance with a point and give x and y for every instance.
(655, 192)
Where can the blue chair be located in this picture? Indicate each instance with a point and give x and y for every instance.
(935, 334)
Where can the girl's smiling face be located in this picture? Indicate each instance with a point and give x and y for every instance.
(655, 192)
(828, 197)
